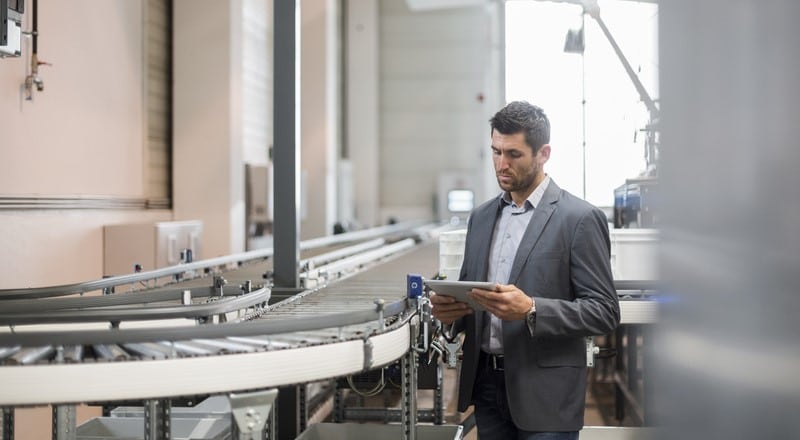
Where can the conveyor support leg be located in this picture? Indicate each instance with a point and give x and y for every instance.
(250, 412)
(64, 422)
(157, 415)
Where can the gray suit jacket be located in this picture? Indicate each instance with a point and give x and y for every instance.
(563, 262)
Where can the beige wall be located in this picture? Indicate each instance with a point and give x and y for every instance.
(52, 247)
(83, 134)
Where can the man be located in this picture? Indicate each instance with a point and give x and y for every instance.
(524, 365)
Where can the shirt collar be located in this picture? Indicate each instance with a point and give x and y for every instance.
(533, 199)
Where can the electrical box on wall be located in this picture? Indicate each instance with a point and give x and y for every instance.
(11, 27)
(150, 245)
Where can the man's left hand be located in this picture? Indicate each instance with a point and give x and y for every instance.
(506, 302)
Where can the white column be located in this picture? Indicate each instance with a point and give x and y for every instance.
(362, 112)
(208, 173)
(319, 107)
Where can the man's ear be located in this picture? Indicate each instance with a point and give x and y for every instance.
(544, 153)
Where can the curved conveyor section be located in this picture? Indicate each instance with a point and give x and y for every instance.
(359, 322)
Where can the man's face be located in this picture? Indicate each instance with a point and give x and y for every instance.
(518, 170)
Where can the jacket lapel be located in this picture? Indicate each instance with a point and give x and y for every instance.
(484, 230)
(541, 215)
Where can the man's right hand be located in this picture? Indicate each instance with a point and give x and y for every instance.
(447, 310)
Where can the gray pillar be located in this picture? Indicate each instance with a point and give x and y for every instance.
(727, 346)
(286, 151)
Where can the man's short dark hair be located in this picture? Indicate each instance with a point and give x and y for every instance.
(520, 116)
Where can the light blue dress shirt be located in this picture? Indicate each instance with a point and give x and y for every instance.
(508, 232)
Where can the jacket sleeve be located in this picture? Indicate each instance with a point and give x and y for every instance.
(594, 309)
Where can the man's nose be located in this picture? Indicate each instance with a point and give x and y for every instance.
(502, 162)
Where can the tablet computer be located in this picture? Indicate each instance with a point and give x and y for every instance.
(459, 290)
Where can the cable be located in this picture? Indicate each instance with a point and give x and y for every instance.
(373, 392)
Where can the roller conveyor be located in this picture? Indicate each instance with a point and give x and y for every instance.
(357, 321)
(321, 333)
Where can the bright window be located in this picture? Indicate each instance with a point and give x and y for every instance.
(540, 72)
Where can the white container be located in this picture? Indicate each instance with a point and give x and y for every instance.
(451, 253)
(634, 254)
(132, 428)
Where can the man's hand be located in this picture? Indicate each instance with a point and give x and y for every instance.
(447, 310)
(506, 302)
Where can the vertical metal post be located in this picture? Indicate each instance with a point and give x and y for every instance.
(619, 397)
(286, 183)
(302, 397)
(286, 151)
(288, 412)
(338, 405)
(157, 420)
(646, 356)
(408, 412)
(64, 422)
(438, 395)
(271, 432)
(633, 360)
(7, 425)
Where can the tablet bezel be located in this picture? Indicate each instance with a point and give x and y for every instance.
(460, 290)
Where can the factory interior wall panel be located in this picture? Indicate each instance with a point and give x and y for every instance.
(361, 106)
(53, 247)
(84, 133)
(494, 95)
(319, 107)
(432, 78)
(208, 170)
(79, 142)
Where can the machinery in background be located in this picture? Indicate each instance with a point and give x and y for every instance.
(455, 198)
(634, 203)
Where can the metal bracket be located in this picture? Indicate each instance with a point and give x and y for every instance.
(453, 350)
(591, 350)
(250, 412)
(379, 305)
(368, 354)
